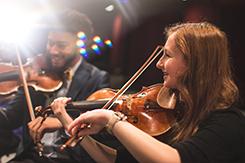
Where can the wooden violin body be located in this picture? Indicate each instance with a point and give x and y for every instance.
(35, 75)
(141, 108)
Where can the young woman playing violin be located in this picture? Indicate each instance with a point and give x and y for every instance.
(210, 129)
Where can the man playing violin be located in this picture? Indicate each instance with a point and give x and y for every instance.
(62, 56)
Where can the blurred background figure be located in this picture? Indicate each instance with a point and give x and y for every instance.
(42, 136)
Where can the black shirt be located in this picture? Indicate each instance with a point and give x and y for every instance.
(219, 139)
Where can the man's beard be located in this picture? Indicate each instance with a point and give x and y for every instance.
(59, 70)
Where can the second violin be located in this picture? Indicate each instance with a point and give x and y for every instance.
(35, 74)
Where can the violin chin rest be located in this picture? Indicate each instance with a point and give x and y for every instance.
(166, 98)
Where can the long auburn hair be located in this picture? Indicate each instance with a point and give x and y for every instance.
(208, 83)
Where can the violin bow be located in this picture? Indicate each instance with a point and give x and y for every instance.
(27, 95)
(152, 57)
(75, 139)
(24, 82)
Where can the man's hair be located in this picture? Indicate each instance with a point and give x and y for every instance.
(72, 21)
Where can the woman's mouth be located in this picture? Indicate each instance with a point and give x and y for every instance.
(165, 74)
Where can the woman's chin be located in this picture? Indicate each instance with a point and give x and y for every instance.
(165, 84)
(168, 85)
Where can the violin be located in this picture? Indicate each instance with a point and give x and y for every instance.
(143, 113)
(35, 74)
(142, 109)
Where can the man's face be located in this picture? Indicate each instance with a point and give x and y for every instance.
(61, 50)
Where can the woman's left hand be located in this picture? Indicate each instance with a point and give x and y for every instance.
(90, 122)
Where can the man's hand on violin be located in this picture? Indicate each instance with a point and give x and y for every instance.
(38, 127)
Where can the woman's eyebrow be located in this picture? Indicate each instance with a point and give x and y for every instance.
(167, 51)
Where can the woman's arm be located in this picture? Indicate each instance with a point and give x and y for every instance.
(142, 146)
(98, 151)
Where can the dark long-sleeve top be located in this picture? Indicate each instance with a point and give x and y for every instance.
(220, 138)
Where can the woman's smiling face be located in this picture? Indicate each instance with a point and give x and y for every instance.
(172, 64)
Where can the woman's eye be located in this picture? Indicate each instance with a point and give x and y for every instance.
(166, 55)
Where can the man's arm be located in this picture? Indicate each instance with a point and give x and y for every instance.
(14, 115)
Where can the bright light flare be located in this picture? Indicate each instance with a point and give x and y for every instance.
(108, 43)
(81, 35)
(98, 41)
(109, 8)
(84, 52)
(15, 25)
(80, 43)
(96, 48)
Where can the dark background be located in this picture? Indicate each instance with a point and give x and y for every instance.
(136, 28)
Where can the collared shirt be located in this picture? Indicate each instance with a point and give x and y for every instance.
(69, 73)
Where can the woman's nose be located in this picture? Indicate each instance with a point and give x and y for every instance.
(160, 63)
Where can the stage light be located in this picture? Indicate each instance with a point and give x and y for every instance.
(84, 52)
(15, 24)
(96, 48)
(80, 43)
(81, 35)
(98, 40)
(108, 43)
(109, 8)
